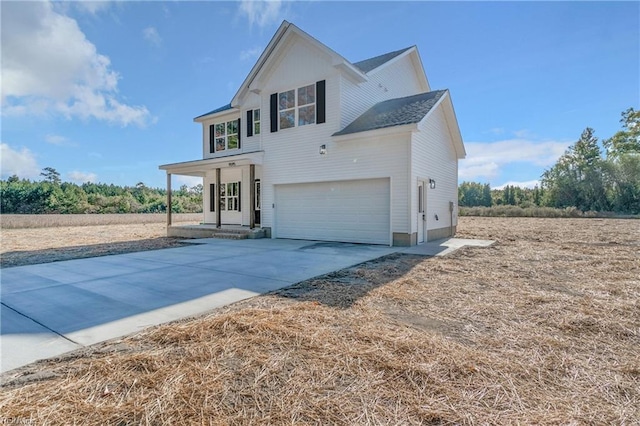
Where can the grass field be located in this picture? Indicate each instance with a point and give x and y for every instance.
(541, 328)
(21, 221)
(31, 239)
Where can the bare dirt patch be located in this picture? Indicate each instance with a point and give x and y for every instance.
(30, 246)
(541, 328)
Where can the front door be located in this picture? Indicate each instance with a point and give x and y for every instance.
(422, 211)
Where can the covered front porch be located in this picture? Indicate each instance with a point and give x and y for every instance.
(231, 194)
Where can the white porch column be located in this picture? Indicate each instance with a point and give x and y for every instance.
(168, 199)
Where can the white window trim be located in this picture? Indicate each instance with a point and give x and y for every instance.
(226, 136)
(226, 198)
(296, 107)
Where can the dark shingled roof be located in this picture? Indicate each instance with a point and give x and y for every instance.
(394, 112)
(373, 63)
(222, 108)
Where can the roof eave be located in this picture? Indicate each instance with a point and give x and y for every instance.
(200, 167)
(275, 40)
(452, 123)
(351, 71)
(286, 28)
(205, 117)
(382, 131)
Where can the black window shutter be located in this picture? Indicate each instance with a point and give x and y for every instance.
(212, 197)
(239, 133)
(250, 123)
(212, 139)
(320, 102)
(274, 112)
(239, 196)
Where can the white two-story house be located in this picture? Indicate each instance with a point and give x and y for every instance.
(313, 146)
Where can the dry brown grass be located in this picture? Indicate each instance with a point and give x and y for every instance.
(32, 239)
(18, 221)
(541, 328)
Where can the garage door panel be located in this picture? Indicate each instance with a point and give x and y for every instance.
(353, 211)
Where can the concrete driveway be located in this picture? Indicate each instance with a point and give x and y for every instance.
(53, 308)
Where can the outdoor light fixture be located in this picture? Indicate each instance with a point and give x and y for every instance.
(323, 149)
(432, 184)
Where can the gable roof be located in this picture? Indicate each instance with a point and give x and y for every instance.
(356, 71)
(277, 42)
(394, 112)
(372, 63)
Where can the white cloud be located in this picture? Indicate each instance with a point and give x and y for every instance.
(190, 181)
(48, 65)
(250, 54)
(18, 162)
(262, 12)
(82, 177)
(151, 35)
(484, 160)
(57, 140)
(526, 184)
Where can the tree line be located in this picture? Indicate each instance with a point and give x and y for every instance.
(586, 177)
(50, 195)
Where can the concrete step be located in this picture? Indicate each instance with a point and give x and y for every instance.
(208, 231)
(230, 235)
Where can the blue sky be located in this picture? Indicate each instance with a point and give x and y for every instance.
(107, 91)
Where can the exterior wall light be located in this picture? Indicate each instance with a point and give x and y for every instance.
(323, 149)
(432, 184)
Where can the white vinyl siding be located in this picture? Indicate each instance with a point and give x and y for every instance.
(292, 155)
(433, 156)
(349, 211)
(394, 81)
(228, 175)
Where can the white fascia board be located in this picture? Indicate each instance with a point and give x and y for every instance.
(414, 55)
(351, 71)
(287, 30)
(232, 111)
(248, 84)
(200, 167)
(454, 129)
(384, 131)
(434, 107)
(451, 121)
(422, 74)
(392, 61)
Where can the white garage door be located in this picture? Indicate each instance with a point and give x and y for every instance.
(352, 211)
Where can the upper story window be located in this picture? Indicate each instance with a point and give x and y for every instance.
(256, 121)
(253, 122)
(297, 105)
(223, 136)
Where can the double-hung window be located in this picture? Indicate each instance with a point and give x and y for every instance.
(297, 105)
(253, 122)
(224, 136)
(230, 196)
(256, 121)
